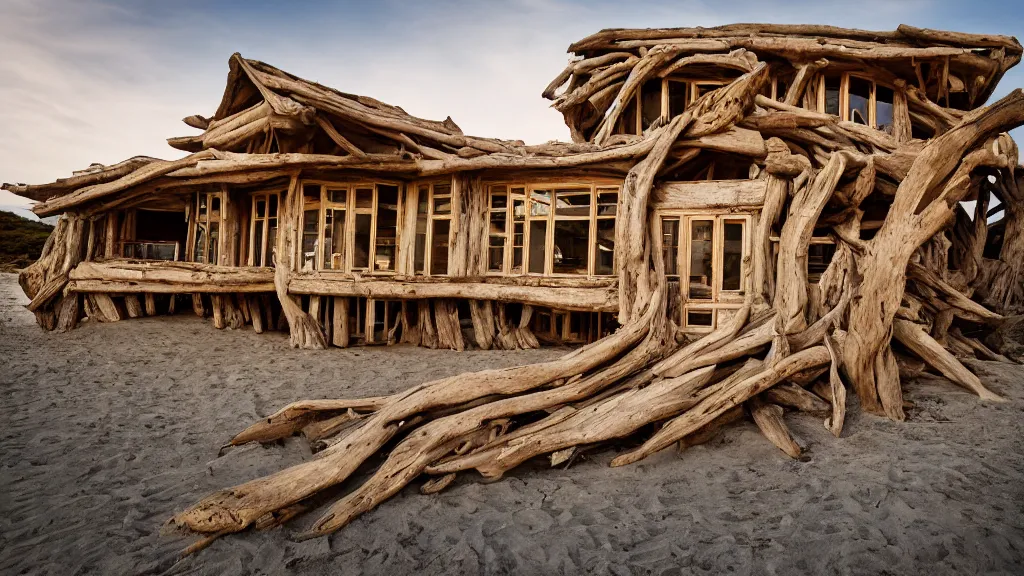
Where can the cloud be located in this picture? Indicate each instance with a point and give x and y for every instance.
(102, 80)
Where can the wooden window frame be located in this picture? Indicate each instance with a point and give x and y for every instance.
(349, 207)
(553, 187)
(265, 254)
(193, 226)
(428, 249)
(844, 96)
(721, 299)
(691, 97)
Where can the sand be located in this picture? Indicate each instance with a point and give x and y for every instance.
(106, 431)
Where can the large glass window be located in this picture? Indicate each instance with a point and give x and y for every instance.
(668, 98)
(710, 249)
(566, 230)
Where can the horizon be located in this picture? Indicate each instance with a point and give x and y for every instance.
(104, 80)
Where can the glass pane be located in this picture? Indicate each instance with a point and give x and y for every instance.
(701, 250)
(311, 193)
(732, 255)
(607, 201)
(422, 208)
(860, 100)
(334, 257)
(442, 189)
(199, 247)
(819, 256)
(361, 254)
(572, 239)
(670, 245)
(627, 120)
(650, 102)
(387, 228)
(832, 86)
(518, 209)
(215, 207)
(439, 248)
(538, 243)
(387, 195)
(496, 241)
(257, 243)
(162, 251)
(310, 233)
(499, 198)
(496, 255)
(699, 317)
(884, 98)
(273, 206)
(202, 204)
(261, 208)
(337, 196)
(604, 248)
(213, 243)
(677, 98)
(703, 89)
(364, 198)
(518, 236)
(782, 84)
(271, 257)
(442, 205)
(572, 203)
(540, 203)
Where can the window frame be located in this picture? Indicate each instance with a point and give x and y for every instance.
(266, 259)
(351, 211)
(691, 97)
(721, 300)
(195, 219)
(844, 96)
(511, 189)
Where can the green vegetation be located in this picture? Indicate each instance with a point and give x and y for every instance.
(21, 241)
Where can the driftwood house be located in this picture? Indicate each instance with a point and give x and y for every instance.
(747, 216)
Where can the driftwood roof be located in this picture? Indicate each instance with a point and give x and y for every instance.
(265, 110)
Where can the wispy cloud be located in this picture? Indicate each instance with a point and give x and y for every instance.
(101, 80)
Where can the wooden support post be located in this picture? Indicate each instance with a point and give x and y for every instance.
(150, 304)
(255, 313)
(132, 305)
(217, 304)
(340, 336)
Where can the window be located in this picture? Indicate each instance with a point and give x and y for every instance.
(330, 210)
(335, 225)
(310, 226)
(440, 227)
(779, 86)
(604, 240)
(545, 230)
(708, 251)
(658, 96)
(858, 99)
(433, 228)
(571, 250)
(263, 229)
(497, 229)
(206, 232)
(819, 256)
(670, 246)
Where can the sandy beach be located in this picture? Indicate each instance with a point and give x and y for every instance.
(108, 430)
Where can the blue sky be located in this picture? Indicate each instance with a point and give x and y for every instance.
(100, 80)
